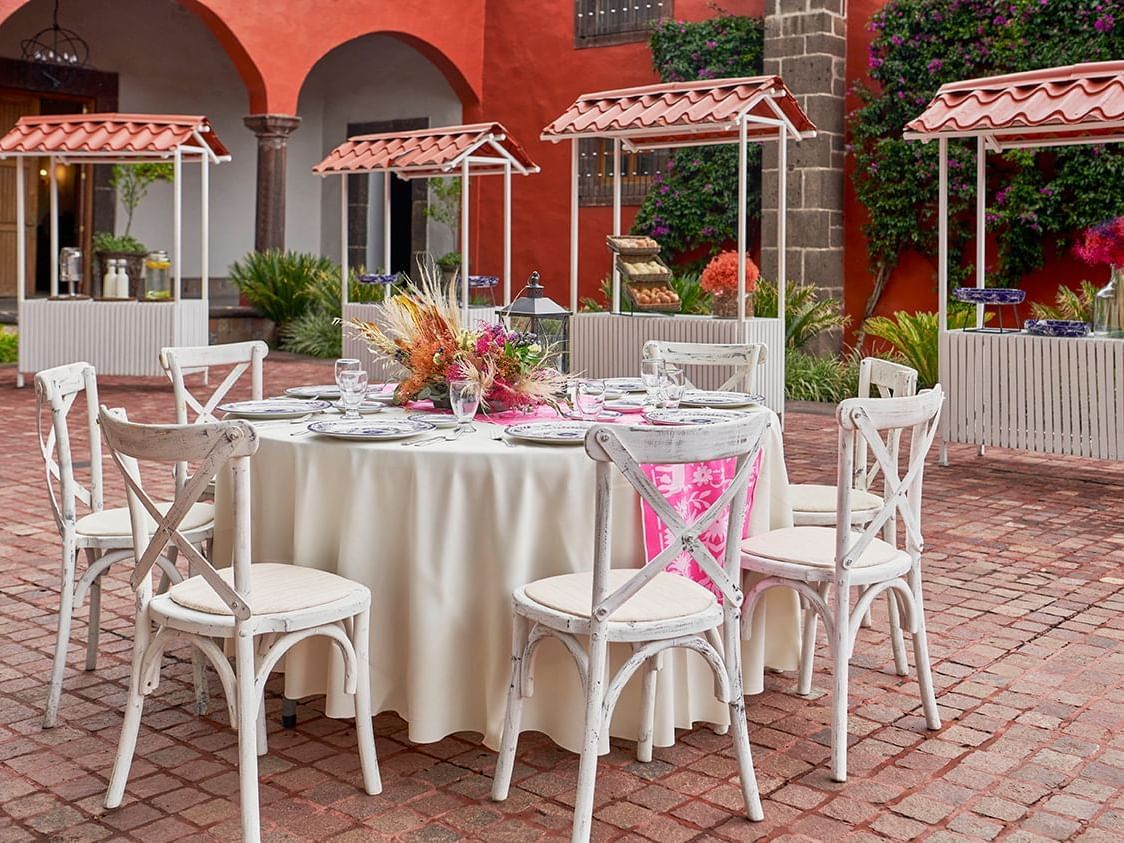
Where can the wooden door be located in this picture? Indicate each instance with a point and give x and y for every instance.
(12, 107)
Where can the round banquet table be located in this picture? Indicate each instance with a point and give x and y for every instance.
(442, 534)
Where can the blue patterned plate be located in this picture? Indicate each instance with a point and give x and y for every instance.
(707, 398)
(627, 404)
(370, 431)
(439, 420)
(366, 408)
(324, 390)
(1056, 327)
(989, 295)
(683, 417)
(273, 408)
(550, 432)
(624, 385)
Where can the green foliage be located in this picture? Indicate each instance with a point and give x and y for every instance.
(692, 298)
(314, 333)
(694, 203)
(811, 378)
(914, 337)
(279, 285)
(9, 346)
(806, 314)
(1076, 305)
(131, 181)
(104, 241)
(449, 261)
(444, 204)
(1036, 198)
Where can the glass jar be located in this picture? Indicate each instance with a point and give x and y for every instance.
(157, 276)
(1108, 306)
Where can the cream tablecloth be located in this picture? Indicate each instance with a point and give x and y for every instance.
(442, 535)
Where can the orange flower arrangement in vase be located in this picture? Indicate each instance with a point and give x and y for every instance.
(720, 279)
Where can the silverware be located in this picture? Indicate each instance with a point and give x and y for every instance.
(413, 443)
(499, 437)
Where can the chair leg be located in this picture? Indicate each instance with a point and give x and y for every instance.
(93, 625)
(198, 660)
(62, 639)
(248, 704)
(591, 738)
(921, 653)
(807, 648)
(901, 666)
(648, 708)
(288, 713)
(134, 705)
(841, 657)
(364, 726)
(513, 717)
(733, 660)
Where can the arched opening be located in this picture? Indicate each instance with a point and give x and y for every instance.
(159, 56)
(374, 83)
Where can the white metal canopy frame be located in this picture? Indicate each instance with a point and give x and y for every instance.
(1071, 105)
(477, 149)
(125, 139)
(677, 115)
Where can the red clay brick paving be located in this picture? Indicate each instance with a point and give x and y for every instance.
(1024, 580)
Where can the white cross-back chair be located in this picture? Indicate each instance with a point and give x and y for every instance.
(102, 535)
(826, 565)
(649, 608)
(265, 608)
(744, 358)
(813, 504)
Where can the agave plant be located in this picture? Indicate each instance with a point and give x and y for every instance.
(279, 285)
(806, 314)
(914, 337)
(1076, 305)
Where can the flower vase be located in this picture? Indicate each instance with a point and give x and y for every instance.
(1108, 306)
(725, 305)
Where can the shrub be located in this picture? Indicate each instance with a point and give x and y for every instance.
(279, 285)
(811, 378)
(1069, 304)
(317, 332)
(915, 337)
(9, 346)
(806, 314)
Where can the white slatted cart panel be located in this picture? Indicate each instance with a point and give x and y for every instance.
(1053, 395)
(117, 338)
(605, 345)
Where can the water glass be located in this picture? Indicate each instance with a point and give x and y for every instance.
(672, 388)
(651, 375)
(464, 398)
(346, 364)
(353, 389)
(590, 398)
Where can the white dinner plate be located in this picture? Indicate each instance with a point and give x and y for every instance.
(368, 406)
(362, 430)
(719, 400)
(443, 421)
(550, 432)
(604, 415)
(324, 390)
(629, 404)
(273, 408)
(693, 416)
(624, 385)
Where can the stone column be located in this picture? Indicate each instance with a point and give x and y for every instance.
(273, 132)
(806, 43)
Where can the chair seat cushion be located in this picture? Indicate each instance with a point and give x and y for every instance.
(813, 497)
(664, 597)
(815, 547)
(115, 522)
(274, 588)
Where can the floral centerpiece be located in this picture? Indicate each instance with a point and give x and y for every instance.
(720, 279)
(1104, 244)
(421, 330)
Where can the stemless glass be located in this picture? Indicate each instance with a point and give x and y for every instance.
(346, 364)
(464, 398)
(672, 388)
(651, 373)
(353, 389)
(591, 398)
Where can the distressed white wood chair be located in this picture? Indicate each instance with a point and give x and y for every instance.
(264, 608)
(744, 358)
(826, 564)
(103, 536)
(813, 504)
(650, 608)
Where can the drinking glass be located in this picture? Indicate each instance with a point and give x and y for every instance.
(464, 398)
(590, 398)
(651, 373)
(346, 364)
(353, 389)
(672, 388)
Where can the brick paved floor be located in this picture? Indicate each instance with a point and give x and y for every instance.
(1025, 588)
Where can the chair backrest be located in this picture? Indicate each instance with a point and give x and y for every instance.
(57, 390)
(872, 419)
(881, 379)
(241, 355)
(629, 448)
(210, 446)
(743, 358)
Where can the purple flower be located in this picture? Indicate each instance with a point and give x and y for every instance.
(935, 65)
(1104, 23)
(710, 45)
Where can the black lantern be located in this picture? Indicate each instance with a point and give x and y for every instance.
(532, 311)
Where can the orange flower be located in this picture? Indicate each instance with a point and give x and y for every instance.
(721, 275)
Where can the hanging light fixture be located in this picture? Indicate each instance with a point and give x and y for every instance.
(57, 46)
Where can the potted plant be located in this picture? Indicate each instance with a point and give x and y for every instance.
(720, 279)
(131, 182)
(449, 264)
(444, 207)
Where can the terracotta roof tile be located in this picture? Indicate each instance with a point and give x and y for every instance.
(1047, 105)
(683, 109)
(424, 152)
(131, 135)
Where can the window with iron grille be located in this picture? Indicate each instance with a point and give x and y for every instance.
(599, 22)
(595, 172)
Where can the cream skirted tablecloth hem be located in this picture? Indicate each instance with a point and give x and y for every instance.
(442, 535)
